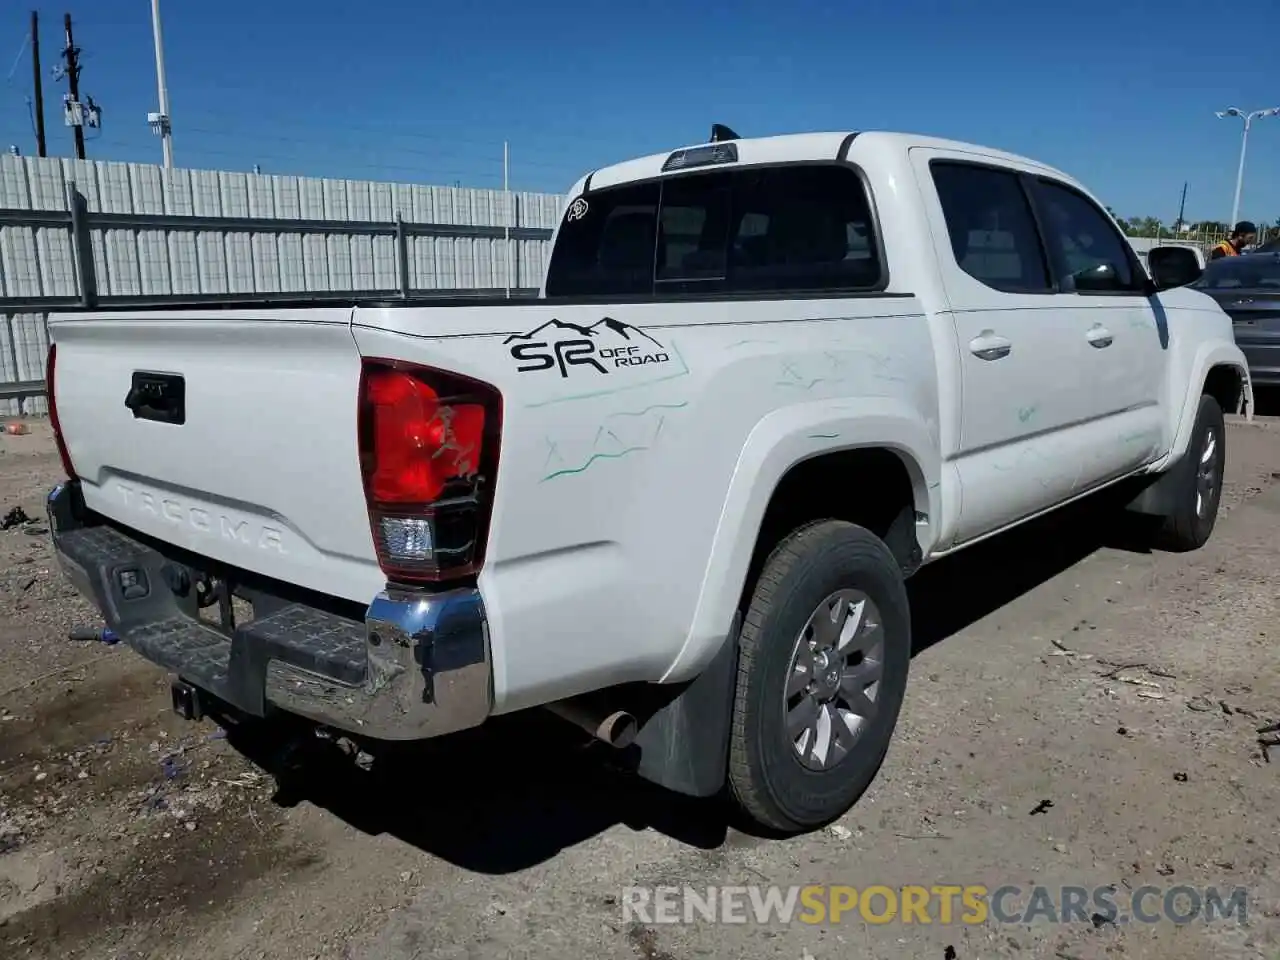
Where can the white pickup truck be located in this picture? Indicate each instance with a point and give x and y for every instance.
(675, 499)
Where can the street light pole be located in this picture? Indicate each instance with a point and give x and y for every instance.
(160, 122)
(1244, 146)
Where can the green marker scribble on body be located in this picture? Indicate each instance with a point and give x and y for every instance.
(604, 432)
(790, 371)
(608, 392)
(882, 363)
(1026, 413)
(1026, 456)
(590, 460)
(649, 409)
(553, 450)
(743, 343)
(795, 379)
(824, 436)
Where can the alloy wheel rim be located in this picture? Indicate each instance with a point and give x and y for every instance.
(833, 683)
(1207, 475)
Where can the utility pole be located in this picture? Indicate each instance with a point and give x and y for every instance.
(38, 90)
(72, 55)
(1182, 208)
(160, 123)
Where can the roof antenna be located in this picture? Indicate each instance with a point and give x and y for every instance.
(720, 132)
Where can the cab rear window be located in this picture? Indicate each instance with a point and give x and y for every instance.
(801, 228)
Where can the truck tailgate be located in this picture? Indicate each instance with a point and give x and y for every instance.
(263, 471)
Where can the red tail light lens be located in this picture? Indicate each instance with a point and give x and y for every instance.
(428, 448)
(52, 400)
(419, 444)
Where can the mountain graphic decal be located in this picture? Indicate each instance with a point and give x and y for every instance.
(550, 325)
(572, 349)
(617, 327)
(624, 330)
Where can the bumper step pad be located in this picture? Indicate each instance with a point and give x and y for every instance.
(197, 652)
(126, 579)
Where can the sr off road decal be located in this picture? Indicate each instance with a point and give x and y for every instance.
(603, 347)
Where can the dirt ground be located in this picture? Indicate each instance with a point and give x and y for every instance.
(1079, 713)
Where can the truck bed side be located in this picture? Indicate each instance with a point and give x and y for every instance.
(668, 434)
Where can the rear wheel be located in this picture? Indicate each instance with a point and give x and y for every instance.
(825, 650)
(1190, 522)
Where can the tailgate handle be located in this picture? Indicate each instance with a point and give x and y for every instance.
(161, 397)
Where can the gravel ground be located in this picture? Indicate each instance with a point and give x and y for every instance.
(1078, 714)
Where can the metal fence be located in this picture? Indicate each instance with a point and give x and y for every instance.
(76, 233)
(1205, 241)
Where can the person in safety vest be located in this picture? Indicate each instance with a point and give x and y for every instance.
(1244, 234)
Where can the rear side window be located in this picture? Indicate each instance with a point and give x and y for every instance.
(991, 226)
(605, 246)
(802, 229)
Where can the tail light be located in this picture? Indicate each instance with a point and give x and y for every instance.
(429, 457)
(52, 400)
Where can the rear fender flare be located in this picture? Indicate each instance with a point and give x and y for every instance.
(778, 442)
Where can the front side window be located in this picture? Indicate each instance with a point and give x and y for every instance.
(802, 228)
(1084, 240)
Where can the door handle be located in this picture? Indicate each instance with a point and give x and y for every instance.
(988, 346)
(1099, 336)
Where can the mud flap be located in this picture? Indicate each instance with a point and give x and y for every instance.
(1159, 498)
(684, 744)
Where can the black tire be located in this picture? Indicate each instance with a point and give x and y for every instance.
(1185, 527)
(766, 776)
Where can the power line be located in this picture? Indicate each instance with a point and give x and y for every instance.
(301, 160)
(575, 146)
(536, 173)
(22, 48)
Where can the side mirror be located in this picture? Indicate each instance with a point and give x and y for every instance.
(1173, 266)
(1102, 277)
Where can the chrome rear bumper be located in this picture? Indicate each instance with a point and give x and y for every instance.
(416, 665)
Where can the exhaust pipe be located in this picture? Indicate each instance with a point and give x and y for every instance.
(617, 728)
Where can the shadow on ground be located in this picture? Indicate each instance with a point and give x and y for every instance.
(524, 787)
(1266, 401)
(954, 592)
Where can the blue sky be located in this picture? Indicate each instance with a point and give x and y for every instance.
(1120, 94)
